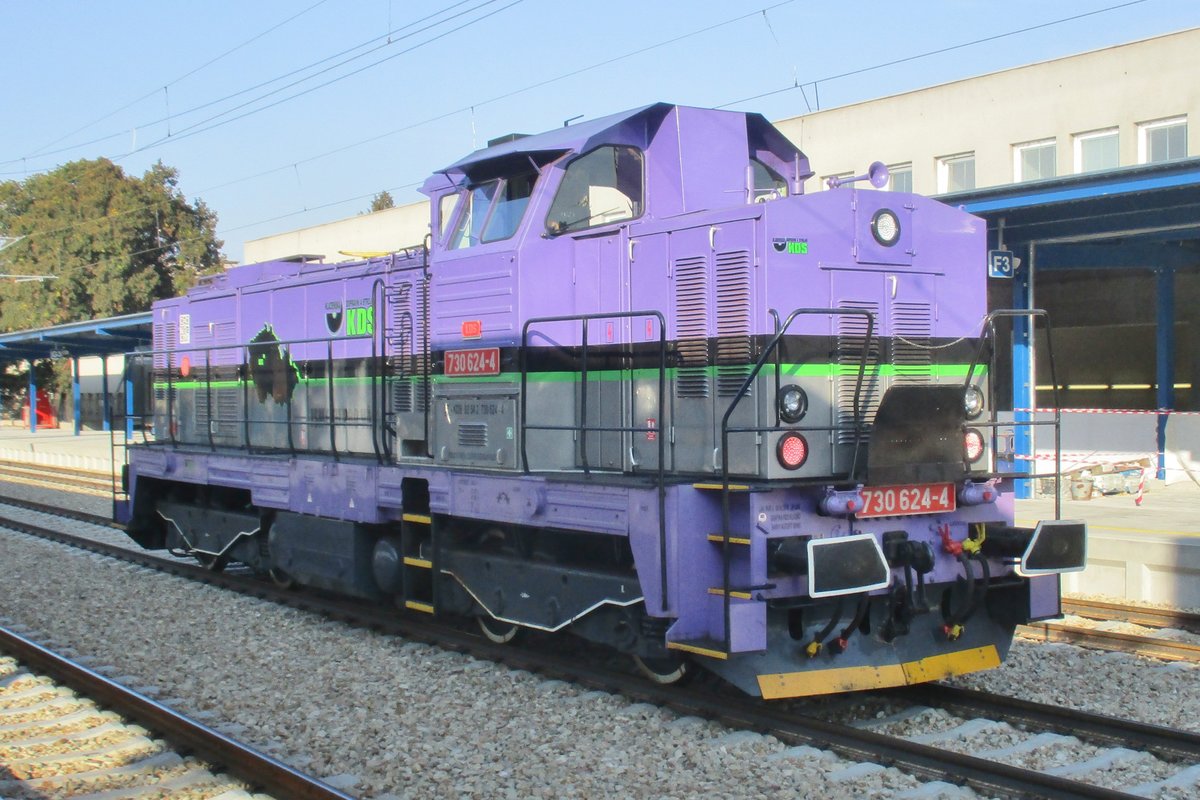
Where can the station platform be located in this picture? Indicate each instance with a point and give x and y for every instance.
(58, 447)
(1148, 552)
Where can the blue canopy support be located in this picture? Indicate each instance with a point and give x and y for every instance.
(1164, 359)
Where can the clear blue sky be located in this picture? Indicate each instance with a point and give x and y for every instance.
(136, 81)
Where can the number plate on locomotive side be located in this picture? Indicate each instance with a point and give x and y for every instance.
(478, 361)
(897, 501)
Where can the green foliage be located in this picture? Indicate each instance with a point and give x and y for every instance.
(116, 243)
(381, 201)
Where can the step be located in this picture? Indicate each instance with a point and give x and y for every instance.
(719, 539)
(701, 647)
(718, 487)
(734, 593)
(419, 519)
(423, 563)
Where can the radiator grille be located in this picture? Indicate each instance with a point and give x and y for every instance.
(225, 338)
(472, 434)
(734, 350)
(691, 320)
(851, 340)
(406, 336)
(912, 327)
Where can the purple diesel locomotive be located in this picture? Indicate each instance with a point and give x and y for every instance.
(636, 385)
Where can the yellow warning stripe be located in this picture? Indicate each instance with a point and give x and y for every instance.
(416, 605)
(717, 590)
(733, 487)
(422, 519)
(853, 679)
(718, 538)
(418, 562)
(700, 651)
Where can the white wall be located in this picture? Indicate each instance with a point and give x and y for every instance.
(1117, 86)
(382, 231)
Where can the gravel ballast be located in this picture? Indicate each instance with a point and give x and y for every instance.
(383, 718)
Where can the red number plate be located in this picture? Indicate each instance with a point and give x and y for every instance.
(481, 361)
(896, 501)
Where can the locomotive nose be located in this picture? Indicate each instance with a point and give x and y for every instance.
(1054, 546)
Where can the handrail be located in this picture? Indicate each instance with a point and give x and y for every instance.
(742, 392)
(583, 428)
(988, 332)
(243, 372)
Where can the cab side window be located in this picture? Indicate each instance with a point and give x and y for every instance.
(604, 186)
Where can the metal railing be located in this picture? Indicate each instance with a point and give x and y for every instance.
(772, 348)
(582, 429)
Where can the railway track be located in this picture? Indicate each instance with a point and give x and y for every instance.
(792, 722)
(68, 478)
(1153, 643)
(67, 731)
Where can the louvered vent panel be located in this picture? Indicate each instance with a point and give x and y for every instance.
(472, 434)
(734, 352)
(691, 324)
(227, 423)
(405, 345)
(225, 340)
(912, 329)
(851, 339)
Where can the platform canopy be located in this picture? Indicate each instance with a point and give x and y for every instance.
(1127, 221)
(97, 337)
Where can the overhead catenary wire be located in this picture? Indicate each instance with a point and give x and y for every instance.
(284, 76)
(447, 114)
(606, 62)
(930, 53)
(41, 150)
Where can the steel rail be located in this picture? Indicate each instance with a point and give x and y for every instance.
(1153, 646)
(1135, 614)
(1158, 739)
(740, 711)
(240, 760)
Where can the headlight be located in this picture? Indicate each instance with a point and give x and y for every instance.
(885, 227)
(793, 403)
(973, 402)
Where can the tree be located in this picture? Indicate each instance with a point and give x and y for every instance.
(116, 243)
(381, 201)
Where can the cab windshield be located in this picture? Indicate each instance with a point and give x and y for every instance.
(492, 210)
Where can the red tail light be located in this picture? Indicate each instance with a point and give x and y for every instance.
(973, 445)
(792, 451)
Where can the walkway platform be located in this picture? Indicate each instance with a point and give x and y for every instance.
(1148, 552)
(57, 447)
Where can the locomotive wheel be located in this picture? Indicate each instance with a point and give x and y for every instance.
(281, 578)
(496, 631)
(669, 670)
(210, 562)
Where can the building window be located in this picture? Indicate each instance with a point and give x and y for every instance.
(1162, 140)
(1034, 160)
(956, 173)
(900, 179)
(1097, 150)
